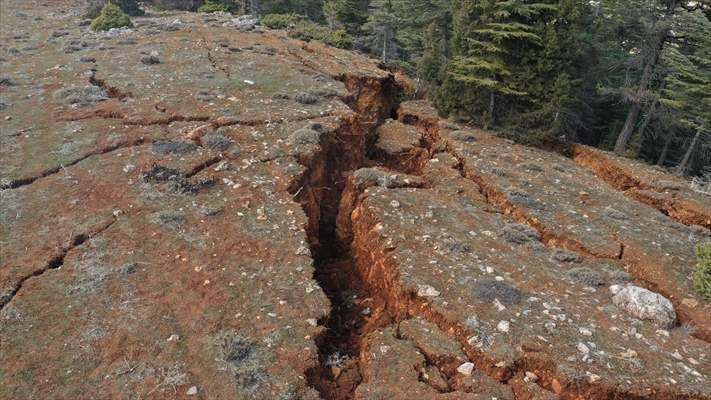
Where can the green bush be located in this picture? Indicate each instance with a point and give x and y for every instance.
(281, 21)
(702, 276)
(111, 16)
(218, 5)
(130, 7)
(307, 30)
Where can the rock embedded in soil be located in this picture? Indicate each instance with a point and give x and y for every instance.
(645, 305)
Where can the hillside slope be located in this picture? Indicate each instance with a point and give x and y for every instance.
(192, 210)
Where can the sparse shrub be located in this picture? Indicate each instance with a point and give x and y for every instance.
(489, 290)
(187, 5)
(307, 30)
(520, 234)
(111, 16)
(130, 7)
(211, 6)
(702, 276)
(339, 38)
(281, 21)
(300, 27)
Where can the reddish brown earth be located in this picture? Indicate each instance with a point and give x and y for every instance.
(652, 186)
(243, 220)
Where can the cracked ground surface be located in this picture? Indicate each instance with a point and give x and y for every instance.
(196, 224)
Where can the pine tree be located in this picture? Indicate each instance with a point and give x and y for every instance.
(412, 16)
(548, 73)
(488, 36)
(346, 14)
(688, 89)
(655, 19)
(381, 28)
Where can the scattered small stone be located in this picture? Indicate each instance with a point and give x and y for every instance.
(87, 59)
(466, 368)
(503, 326)
(592, 378)
(585, 331)
(192, 391)
(173, 338)
(427, 291)
(629, 353)
(530, 377)
(583, 348)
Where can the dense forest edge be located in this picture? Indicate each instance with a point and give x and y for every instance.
(633, 76)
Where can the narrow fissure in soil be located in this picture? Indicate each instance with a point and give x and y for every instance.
(57, 261)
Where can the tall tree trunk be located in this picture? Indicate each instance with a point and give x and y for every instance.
(628, 128)
(665, 150)
(385, 46)
(645, 122)
(489, 115)
(647, 118)
(681, 169)
(644, 82)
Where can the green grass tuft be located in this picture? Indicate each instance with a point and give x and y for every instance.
(111, 16)
(702, 276)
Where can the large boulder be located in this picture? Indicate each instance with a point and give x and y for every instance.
(644, 304)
